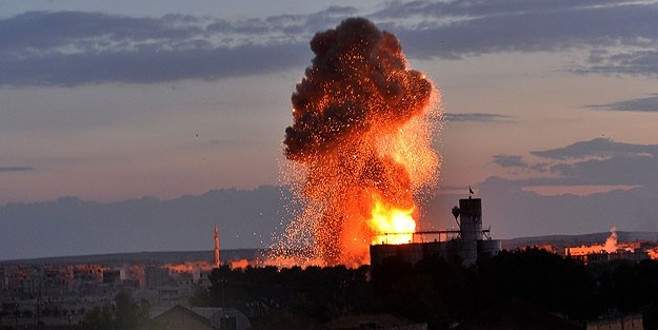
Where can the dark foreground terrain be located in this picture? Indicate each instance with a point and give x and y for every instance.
(520, 289)
(529, 289)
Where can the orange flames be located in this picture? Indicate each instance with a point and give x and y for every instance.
(391, 225)
(360, 146)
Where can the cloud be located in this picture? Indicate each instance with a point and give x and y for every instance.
(5, 169)
(150, 65)
(475, 8)
(644, 104)
(643, 62)
(455, 29)
(599, 161)
(509, 161)
(512, 211)
(74, 48)
(477, 117)
(618, 170)
(517, 162)
(512, 27)
(599, 147)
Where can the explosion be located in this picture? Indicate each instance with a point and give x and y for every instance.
(360, 145)
(387, 219)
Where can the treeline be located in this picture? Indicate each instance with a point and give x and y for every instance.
(124, 314)
(517, 287)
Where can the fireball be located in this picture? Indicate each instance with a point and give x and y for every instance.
(359, 146)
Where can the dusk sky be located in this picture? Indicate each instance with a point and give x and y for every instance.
(114, 101)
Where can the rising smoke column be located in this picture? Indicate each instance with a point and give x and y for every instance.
(360, 142)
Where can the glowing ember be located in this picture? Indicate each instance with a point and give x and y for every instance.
(360, 146)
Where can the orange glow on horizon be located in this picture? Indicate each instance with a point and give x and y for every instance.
(653, 253)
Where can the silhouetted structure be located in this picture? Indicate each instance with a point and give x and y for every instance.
(217, 260)
(467, 243)
(198, 318)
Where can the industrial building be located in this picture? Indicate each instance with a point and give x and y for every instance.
(468, 243)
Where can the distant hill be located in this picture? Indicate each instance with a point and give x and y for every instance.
(140, 257)
(247, 219)
(576, 240)
(559, 241)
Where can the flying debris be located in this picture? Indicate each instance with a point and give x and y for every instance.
(360, 144)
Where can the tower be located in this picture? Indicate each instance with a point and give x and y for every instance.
(217, 261)
(470, 215)
(470, 228)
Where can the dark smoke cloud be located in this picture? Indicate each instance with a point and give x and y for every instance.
(358, 77)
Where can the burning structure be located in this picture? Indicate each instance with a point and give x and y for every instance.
(613, 249)
(359, 146)
(467, 243)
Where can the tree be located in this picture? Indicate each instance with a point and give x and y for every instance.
(126, 314)
(99, 318)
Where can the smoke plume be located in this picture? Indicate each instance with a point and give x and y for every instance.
(360, 140)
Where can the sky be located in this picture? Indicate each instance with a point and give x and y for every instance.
(549, 104)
